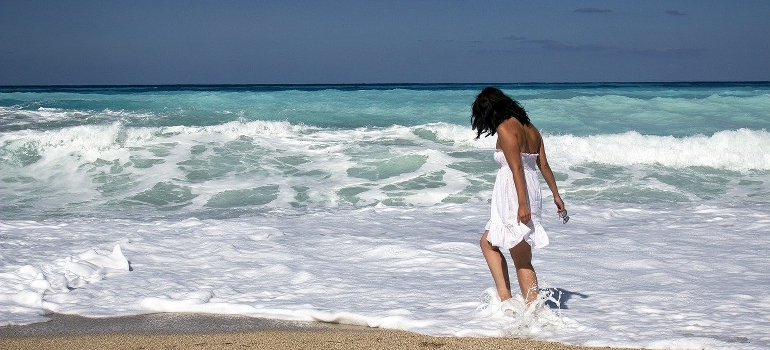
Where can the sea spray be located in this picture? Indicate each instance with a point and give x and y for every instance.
(518, 318)
(202, 171)
(364, 205)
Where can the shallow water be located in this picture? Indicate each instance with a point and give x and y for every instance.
(364, 205)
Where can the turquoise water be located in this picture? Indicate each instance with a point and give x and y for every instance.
(236, 150)
(364, 204)
(678, 109)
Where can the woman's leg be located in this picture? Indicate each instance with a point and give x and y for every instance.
(525, 272)
(497, 266)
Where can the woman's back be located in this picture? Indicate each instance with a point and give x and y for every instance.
(532, 139)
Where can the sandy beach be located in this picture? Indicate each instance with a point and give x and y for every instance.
(194, 331)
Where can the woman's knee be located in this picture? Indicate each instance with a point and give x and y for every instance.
(487, 247)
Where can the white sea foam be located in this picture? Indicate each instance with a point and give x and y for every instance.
(617, 276)
(25, 292)
(365, 207)
(242, 164)
(741, 149)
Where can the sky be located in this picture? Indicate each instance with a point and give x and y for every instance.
(151, 42)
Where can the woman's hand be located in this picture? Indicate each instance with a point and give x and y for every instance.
(559, 204)
(524, 214)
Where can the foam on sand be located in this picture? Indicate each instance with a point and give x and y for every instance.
(612, 281)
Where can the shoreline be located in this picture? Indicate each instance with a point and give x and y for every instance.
(204, 331)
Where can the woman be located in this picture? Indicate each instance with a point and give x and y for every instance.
(516, 199)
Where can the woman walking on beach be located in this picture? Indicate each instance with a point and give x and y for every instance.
(514, 224)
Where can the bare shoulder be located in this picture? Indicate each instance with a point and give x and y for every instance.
(510, 127)
(511, 135)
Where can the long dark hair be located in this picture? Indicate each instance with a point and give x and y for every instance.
(491, 108)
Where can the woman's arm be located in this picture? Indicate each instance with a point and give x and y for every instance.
(545, 169)
(510, 136)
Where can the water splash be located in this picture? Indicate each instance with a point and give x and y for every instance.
(518, 318)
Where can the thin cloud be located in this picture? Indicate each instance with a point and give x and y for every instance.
(669, 52)
(436, 40)
(555, 45)
(675, 13)
(592, 10)
(525, 44)
(500, 51)
(568, 46)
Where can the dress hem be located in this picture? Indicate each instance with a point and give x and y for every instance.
(507, 236)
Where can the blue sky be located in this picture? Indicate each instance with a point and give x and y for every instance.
(394, 41)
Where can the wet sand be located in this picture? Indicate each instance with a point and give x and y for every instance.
(195, 331)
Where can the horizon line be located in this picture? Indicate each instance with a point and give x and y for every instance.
(375, 84)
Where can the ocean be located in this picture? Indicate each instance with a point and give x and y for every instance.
(364, 204)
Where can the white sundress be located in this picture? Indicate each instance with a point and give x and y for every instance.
(504, 231)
